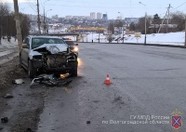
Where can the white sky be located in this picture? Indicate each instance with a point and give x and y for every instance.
(127, 8)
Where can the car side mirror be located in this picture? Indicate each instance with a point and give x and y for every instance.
(24, 46)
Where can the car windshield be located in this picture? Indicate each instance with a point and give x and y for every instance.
(36, 42)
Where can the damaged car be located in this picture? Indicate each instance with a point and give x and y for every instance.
(47, 54)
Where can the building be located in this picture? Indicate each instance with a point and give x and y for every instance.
(92, 15)
(99, 15)
(105, 17)
(131, 20)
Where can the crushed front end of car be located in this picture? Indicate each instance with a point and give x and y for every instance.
(55, 58)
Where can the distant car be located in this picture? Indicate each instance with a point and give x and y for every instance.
(47, 54)
(73, 47)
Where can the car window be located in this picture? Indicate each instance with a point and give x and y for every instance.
(36, 42)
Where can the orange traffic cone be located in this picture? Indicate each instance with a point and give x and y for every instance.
(107, 80)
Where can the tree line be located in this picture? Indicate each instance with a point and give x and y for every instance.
(7, 23)
(176, 22)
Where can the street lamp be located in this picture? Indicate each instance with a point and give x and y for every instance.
(46, 22)
(120, 17)
(0, 28)
(145, 39)
(92, 37)
(45, 26)
(185, 32)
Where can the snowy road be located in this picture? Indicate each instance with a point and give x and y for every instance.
(147, 82)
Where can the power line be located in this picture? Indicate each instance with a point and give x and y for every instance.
(38, 18)
(180, 5)
(31, 6)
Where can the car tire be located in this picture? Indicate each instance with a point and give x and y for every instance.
(31, 70)
(74, 70)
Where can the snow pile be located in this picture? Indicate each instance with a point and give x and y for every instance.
(6, 44)
(176, 38)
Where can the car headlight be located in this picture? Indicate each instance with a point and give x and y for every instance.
(54, 50)
(76, 49)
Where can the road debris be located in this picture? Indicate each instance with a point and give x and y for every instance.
(4, 120)
(88, 122)
(67, 90)
(51, 80)
(8, 96)
(96, 101)
(118, 100)
(29, 130)
(18, 81)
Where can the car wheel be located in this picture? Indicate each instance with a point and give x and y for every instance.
(31, 70)
(74, 70)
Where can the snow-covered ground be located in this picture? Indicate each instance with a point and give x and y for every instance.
(176, 38)
(6, 44)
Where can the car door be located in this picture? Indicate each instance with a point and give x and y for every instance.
(25, 51)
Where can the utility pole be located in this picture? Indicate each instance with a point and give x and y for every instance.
(185, 32)
(145, 40)
(0, 29)
(123, 34)
(38, 18)
(99, 37)
(44, 22)
(168, 17)
(18, 25)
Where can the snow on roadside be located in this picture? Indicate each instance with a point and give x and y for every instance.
(6, 44)
(174, 38)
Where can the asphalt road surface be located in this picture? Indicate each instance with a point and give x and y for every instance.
(148, 85)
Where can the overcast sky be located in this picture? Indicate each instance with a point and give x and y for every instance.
(127, 8)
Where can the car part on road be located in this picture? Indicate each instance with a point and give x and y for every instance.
(88, 122)
(29, 130)
(18, 81)
(51, 80)
(4, 120)
(63, 76)
(1, 128)
(8, 96)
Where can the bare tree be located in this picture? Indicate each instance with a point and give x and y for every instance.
(4, 11)
(111, 28)
(140, 25)
(132, 26)
(179, 19)
(25, 25)
(156, 22)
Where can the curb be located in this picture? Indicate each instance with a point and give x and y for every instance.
(141, 44)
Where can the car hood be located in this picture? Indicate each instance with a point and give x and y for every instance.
(48, 47)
